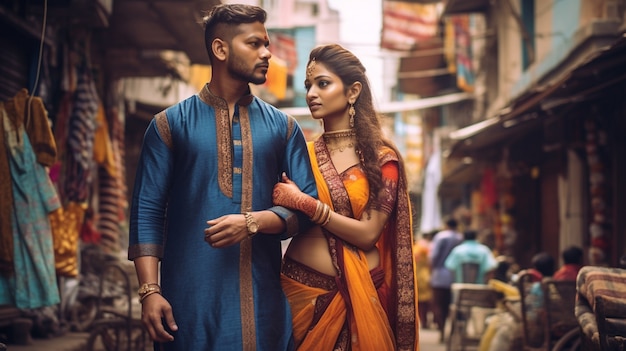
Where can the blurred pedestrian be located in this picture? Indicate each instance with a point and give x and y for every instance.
(442, 278)
(422, 274)
(470, 251)
(572, 263)
(202, 207)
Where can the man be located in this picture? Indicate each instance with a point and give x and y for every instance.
(203, 191)
(572, 262)
(441, 278)
(472, 252)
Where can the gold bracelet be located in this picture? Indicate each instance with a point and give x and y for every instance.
(148, 288)
(324, 218)
(318, 211)
(148, 294)
(327, 219)
(327, 215)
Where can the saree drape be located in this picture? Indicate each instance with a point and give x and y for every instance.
(357, 314)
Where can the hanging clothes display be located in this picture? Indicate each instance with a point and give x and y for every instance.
(30, 147)
(80, 138)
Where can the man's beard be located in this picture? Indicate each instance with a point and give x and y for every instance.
(238, 70)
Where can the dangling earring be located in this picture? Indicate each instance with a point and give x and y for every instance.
(351, 113)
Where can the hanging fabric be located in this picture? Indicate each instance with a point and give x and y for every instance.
(34, 197)
(30, 113)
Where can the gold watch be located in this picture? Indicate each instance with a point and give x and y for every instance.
(148, 288)
(251, 224)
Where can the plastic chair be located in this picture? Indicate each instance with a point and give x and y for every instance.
(548, 318)
(561, 325)
(533, 317)
(472, 304)
(469, 271)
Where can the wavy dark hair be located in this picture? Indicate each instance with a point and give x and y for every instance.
(367, 125)
(229, 16)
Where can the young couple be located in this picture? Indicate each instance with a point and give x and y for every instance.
(224, 177)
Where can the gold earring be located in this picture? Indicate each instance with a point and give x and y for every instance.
(351, 113)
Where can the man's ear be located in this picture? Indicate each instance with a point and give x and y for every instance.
(355, 91)
(220, 49)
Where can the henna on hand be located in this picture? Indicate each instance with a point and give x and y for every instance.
(288, 194)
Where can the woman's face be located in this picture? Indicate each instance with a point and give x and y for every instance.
(326, 95)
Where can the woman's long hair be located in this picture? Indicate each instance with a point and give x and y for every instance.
(367, 125)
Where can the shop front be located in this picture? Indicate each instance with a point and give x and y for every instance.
(547, 171)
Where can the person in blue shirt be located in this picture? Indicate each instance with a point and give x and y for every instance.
(441, 278)
(471, 251)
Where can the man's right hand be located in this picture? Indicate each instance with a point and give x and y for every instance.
(155, 310)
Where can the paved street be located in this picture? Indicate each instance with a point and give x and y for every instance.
(429, 341)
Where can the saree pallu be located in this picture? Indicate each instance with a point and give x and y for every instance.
(354, 313)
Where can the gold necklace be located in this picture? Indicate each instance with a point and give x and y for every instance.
(339, 140)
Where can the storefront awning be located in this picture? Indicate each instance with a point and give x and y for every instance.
(139, 30)
(596, 71)
(453, 7)
(477, 137)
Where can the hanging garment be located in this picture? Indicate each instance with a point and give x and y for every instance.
(34, 197)
(80, 138)
(31, 113)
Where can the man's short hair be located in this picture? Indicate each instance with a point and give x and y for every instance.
(573, 255)
(470, 234)
(452, 223)
(228, 16)
(544, 263)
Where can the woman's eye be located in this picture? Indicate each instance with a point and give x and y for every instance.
(323, 83)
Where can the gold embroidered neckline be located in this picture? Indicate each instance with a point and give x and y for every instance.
(339, 140)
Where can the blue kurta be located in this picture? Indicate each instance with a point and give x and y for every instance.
(195, 166)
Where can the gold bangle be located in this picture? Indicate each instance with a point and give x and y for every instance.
(148, 288)
(327, 215)
(148, 294)
(327, 219)
(323, 219)
(318, 211)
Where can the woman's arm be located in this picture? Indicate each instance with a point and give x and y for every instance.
(363, 232)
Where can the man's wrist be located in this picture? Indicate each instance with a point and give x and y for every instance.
(251, 224)
(147, 289)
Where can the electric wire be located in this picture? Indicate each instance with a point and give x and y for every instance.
(39, 59)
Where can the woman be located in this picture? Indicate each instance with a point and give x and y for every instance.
(350, 280)
(422, 275)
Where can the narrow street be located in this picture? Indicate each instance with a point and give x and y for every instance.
(429, 341)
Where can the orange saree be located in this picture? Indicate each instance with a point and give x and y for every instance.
(358, 309)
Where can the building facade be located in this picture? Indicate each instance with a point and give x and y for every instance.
(540, 166)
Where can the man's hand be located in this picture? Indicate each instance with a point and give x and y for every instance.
(226, 230)
(155, 310)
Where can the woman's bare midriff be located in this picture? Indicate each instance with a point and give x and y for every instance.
(311, 249)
